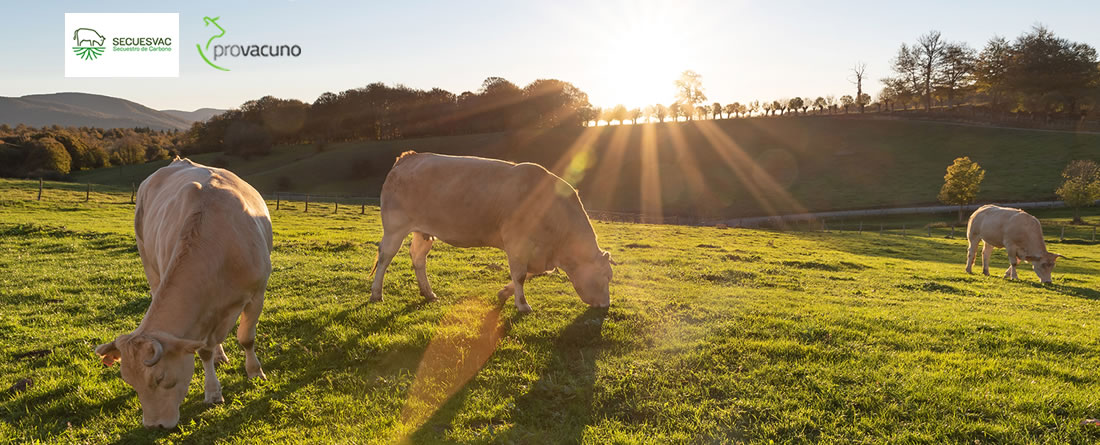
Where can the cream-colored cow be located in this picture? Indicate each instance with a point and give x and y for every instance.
(1016, 231)
(533, 215)
(204, 237)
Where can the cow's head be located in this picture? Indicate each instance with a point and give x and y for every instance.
(159, 367)
(592, 280)
(1044, 265)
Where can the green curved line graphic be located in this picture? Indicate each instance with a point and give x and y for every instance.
(199, 47)
(214, 20)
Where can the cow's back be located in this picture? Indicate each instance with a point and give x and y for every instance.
(200, 223)
(1001, 225)
(466, 201)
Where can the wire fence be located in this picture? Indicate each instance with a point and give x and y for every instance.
(935, 223)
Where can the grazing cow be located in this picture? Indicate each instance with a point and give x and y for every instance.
(204, 236)
(1016, 231)
(533, 215)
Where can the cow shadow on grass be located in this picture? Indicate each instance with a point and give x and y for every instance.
(558, 406)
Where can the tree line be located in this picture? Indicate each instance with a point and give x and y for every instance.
(53, 152)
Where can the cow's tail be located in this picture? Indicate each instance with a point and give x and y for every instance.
(375, 266)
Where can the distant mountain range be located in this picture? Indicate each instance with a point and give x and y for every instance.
(93, 110)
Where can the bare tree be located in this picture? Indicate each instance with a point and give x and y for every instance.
(957, 70)
(857, 74)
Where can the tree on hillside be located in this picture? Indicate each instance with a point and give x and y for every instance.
(661, 112)
(1052, 74)
(731, 109)
(649, 111)
(690, 89)
(675, 111)
(830, 102)
(857, 75)
(864, 100)
(991, 71)
(961, 183)
(633, 114)
(767, 107)
(701, 112)
(795, 104)
(956, 72)
(128, 150)
(819, 104)
(716, 110)
(1081, 186)
(930, 50)
(846, 101)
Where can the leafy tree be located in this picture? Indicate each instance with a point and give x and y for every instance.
(1051, 73)
(864, 100)
(732, 109)
(701, 112)
(929, 51)
(819, 104)
(956, 71)
(248, 139)
(128, 150)
(991, 71)
(887, 96)
(649, 112)
(675, 111)
(795, 104)
(633, 114)
(48, 157)
(597, 114)
(690, 89)
(1080, 186)
(618, 113)
(961, 183)
(716, 110)
(768, 107)
(846, 101)
(661, 112)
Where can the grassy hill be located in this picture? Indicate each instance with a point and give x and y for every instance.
(735, 167)
(713, 336)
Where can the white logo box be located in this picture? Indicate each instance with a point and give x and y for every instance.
(118, 63)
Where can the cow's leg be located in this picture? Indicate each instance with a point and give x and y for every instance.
(421, 244)
(391, 243)
(1012, 262)
(518, 269)
(246, 335)
(987, 253)
(971, 252)
(211, 386)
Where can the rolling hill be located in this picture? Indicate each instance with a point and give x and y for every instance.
(727, 168)
(85, 110)
(200, 114)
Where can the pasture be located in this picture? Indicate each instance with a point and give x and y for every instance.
(713, 336)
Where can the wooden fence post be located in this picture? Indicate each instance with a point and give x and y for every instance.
(363, 207)
(1094, 234)
(335, 206)
(861, 227)
(307, 203)
(1062, 237)
(133, 191)
(88, 193)
(952, 231)
(277, 201)
(39, 189)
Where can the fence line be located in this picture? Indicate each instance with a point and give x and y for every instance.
(826, 222)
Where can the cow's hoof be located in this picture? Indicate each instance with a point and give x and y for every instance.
(257, 374)
(430, 296)
(220, 357)
(214, 399)
(986, 273)
(523, 308)
(374, 299)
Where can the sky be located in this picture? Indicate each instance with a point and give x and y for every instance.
(619, 52)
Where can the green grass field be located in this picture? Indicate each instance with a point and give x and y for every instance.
(714, 336)
(702, 168)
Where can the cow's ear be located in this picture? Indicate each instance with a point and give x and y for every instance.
(109, 352)
(607, 256)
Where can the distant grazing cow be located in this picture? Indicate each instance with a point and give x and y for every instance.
(204, 237)
(1016, 231)
(533, 215)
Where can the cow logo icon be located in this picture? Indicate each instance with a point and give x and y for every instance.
(89, 43)
(211, 21)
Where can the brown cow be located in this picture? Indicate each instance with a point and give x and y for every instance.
(533, 215)
(204, 237)
(1016, 231)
